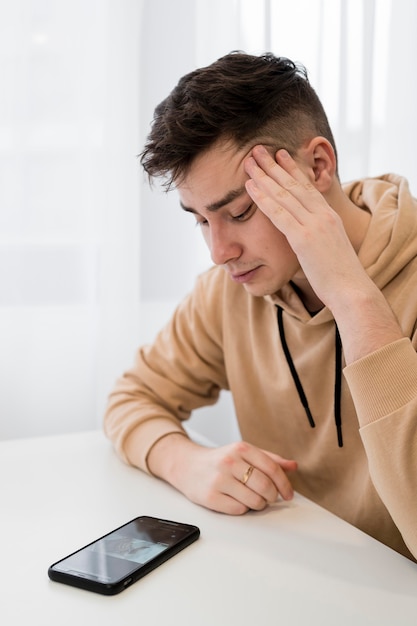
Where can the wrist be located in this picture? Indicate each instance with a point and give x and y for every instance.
(167, 455)
(366, 323)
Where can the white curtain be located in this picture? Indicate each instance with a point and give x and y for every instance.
(92, 261)
(69, 227)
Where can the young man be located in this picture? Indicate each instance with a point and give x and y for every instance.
(309, 317)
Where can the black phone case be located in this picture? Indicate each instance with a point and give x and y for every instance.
(110, 589)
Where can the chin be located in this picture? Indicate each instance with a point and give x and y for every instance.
(260, 290)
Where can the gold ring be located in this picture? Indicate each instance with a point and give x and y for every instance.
(247, 474)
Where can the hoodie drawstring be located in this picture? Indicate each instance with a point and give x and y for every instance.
(297, 382)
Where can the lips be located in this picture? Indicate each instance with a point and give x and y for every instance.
(244, 277)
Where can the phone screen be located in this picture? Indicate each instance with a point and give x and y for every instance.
(129, 551)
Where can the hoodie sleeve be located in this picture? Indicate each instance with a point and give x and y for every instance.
(384, 389)
(181, 371)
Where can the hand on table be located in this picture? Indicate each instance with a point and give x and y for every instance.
(222, 479)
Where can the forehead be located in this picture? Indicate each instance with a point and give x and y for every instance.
(212, 175)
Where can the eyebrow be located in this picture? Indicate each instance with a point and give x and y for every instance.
(215, 206)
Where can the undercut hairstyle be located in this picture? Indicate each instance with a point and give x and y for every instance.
(240, 98)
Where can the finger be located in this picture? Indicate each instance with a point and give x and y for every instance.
(283, 182)
(277, 203)
(260, 484)
(282, 168)
(270, 178)
(224, 503)
(298, 183)
(231, 494)
(268, 471)
(271, 206)
(251, 498)
(289, 465)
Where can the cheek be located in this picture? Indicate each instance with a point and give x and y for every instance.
(276, 244)
(280, 255)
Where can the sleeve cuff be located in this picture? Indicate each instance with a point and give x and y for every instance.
(384, 381)
(141, 440)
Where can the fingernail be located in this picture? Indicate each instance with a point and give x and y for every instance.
(290, 495)
(260, 148)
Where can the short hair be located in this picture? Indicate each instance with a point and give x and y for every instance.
(239, 98)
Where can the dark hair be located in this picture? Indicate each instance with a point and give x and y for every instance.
(241, 98)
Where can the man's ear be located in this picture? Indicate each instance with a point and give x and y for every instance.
(319, 158)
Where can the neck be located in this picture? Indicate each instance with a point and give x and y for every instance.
(308, 297)
(355, 220)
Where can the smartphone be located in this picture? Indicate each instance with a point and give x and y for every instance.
(110, 564)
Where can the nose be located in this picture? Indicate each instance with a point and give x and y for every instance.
(222, 244)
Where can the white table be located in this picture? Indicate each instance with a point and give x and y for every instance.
(292, 564)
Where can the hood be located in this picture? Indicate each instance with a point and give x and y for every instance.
(390, 242)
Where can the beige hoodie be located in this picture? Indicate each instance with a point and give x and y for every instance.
(220, 337)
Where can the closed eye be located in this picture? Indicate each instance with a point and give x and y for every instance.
(242, 217)
(246, 214)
